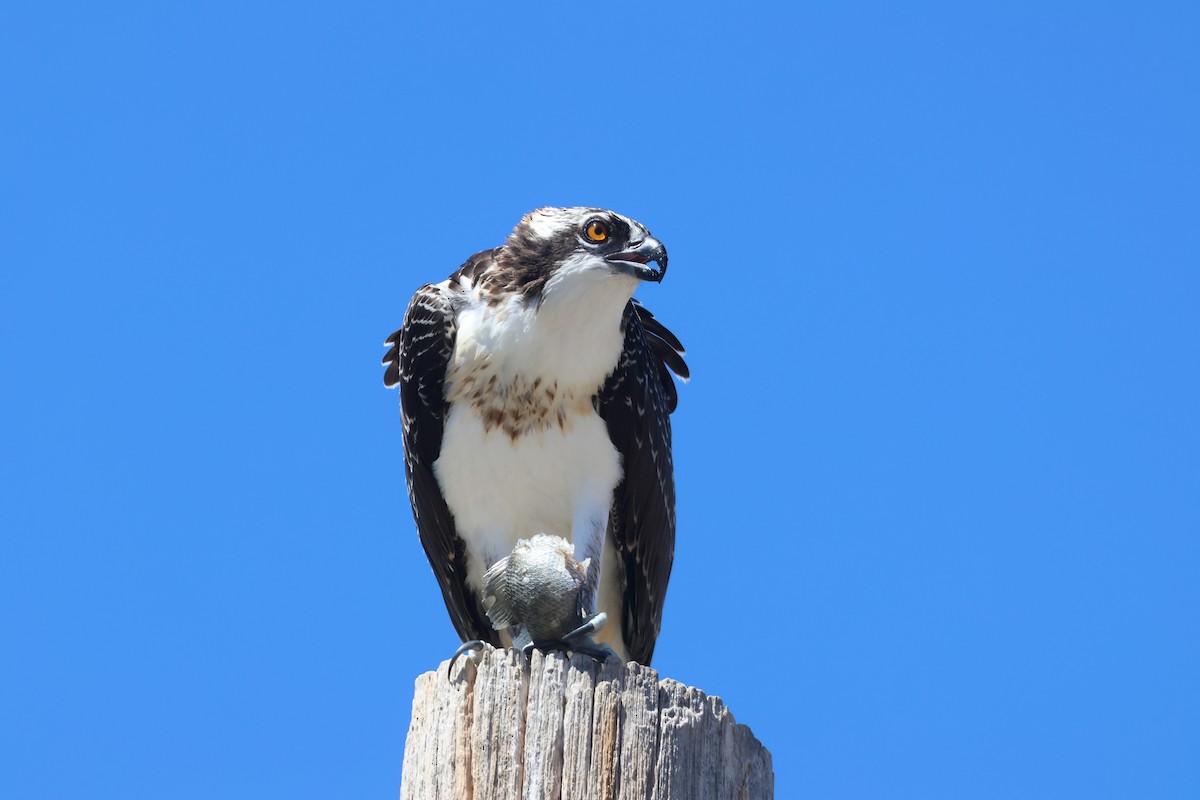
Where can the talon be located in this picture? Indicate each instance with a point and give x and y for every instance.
(577, 641)
(588, 628)
(469, 646)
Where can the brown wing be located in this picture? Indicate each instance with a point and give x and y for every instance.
(636, 404)
(416, 361)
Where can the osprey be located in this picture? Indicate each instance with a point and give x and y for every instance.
(535, 396)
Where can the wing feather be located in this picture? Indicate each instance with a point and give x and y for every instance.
(636, 402)
(416, 361)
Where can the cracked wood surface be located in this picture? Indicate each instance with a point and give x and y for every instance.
(559, 729)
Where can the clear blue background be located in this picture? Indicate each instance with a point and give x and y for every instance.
(938, 271)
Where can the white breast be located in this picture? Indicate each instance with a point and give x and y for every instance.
(523, 451)
(501, 490)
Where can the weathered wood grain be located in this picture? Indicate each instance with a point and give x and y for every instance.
(577, 728)
(544, 710)
(503, 728)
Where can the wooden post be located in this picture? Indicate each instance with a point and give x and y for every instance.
(559, 729)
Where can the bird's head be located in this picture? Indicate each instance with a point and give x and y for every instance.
(580, 245)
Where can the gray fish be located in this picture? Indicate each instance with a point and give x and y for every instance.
(537, 592)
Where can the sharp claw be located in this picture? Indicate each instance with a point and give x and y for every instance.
(468, 646)
(577, 641)
(588, 628)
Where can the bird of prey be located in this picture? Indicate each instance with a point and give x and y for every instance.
(535, 397)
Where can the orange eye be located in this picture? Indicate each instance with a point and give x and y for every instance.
(596, 230)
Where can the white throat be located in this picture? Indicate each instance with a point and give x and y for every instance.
(570, 337)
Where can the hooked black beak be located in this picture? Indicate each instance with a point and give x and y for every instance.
(637, 260)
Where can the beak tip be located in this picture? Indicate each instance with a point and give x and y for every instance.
(637, 262)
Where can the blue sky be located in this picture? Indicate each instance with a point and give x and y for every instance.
(939, 464)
